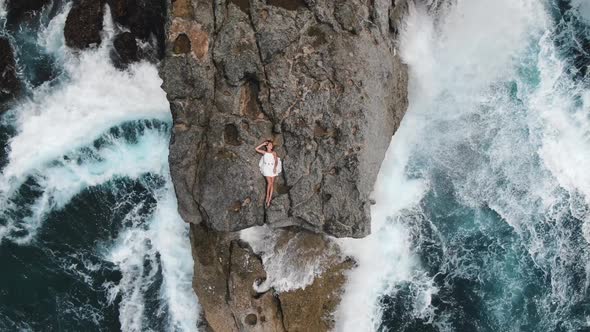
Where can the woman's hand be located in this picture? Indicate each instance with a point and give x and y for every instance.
(258, 148)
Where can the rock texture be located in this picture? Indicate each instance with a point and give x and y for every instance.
(321, 78)
(227, 271)
(324, 81)
(84, 24)
(136, 20)
(10, 85)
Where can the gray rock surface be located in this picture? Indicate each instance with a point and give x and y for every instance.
(226, 269)
(321, 78)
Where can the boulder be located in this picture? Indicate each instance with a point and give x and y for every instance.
(144, 19)
(125, 50)
(10, 86)
(84, 24)
(308, 272)
(321, 78)
(225, 271)
(230, 278)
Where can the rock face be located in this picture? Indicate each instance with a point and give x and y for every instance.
(144, 18)
(135, 20)
(125, 50)
(10, 86)
(226, 269)
(84, 24)
(321, 78)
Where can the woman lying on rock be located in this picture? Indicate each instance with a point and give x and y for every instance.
(270, 166)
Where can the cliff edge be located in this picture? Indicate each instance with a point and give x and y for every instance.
(324, 81)
(321, 78)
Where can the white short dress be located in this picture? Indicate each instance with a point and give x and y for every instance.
(267, 164)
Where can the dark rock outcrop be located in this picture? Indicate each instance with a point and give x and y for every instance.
(226, 270)
(125, 50)
(84, 24)
(20, 10)
(10, 86)
(144, 19)
(321, 78)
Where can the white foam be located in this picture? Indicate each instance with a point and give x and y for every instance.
(566, 126)
(454, 63)
(96, 98)
(57, 121)
(285, 268)
(51, 38)
(166, 238)
(384, 258)
(3, 8)
(171, 239)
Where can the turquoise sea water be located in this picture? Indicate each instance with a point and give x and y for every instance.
(89, 235)
(482, 215)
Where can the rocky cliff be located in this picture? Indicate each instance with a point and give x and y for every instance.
(321, 78)
(324, 81)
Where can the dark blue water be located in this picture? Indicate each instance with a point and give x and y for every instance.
(82, 228)
(498, 234)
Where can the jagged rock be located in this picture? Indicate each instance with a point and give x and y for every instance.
(144, 19)
(10, 85)
(313, 271)
(19, 10)
(321, 78)
(125, 50)
(350, 15)
(84, 24)
(312, 308)
(225, 272)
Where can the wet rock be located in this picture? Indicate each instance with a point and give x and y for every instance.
(84, 24)
(10, 85)
(312, 308)
(316, 271)
(230, 281)
(322, 78)
(144, 19)
(21, 10)
(125, 50)
(225, 271)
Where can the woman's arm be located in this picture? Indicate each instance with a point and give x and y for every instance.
(259, 148)
(276, 162)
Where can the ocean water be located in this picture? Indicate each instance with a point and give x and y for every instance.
(482, 221)
(483, 203)
(90, 239)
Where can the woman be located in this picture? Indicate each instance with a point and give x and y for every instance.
(270, 167)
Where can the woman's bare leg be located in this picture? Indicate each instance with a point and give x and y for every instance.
(272, 188)
(268, 186)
